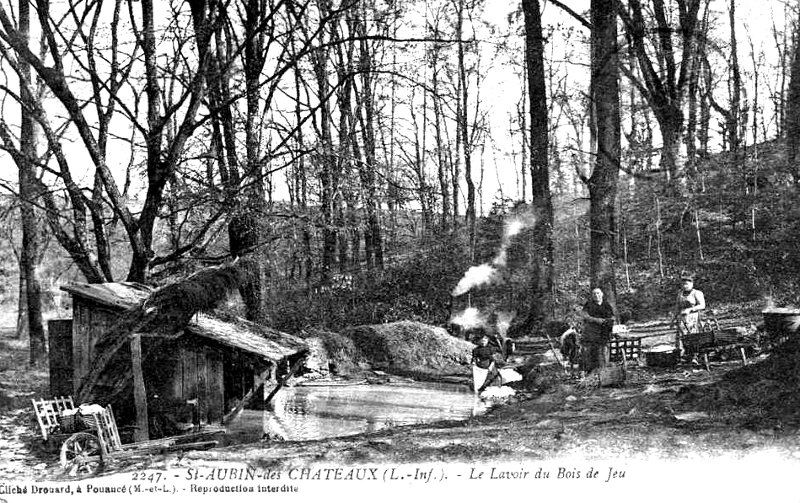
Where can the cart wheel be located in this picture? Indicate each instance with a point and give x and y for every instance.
(82, 455)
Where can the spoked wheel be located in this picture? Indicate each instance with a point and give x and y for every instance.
(82, 455)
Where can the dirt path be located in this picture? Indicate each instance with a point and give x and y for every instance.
(21, 455)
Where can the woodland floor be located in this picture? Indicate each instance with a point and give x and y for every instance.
(731, 410)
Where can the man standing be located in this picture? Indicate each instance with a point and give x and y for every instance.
(689, 303)
(598, 319)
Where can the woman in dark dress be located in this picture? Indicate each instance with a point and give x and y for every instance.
(598, 320)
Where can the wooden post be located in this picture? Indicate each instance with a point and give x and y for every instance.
(697, 231)
(59, 334)
(658, 239)
(142, 432)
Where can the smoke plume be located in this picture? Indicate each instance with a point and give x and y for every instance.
(485, 274)
(469, 319)
(475, 276)
(504, 322)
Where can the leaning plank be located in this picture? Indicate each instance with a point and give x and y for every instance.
(257, 384)
(282, 382)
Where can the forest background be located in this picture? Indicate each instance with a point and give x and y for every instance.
(393, 160)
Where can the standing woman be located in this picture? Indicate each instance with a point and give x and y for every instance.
(598, 319)
(690, 302)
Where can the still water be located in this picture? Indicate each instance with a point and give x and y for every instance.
(314, 412)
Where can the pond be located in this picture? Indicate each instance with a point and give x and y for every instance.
(315, 412)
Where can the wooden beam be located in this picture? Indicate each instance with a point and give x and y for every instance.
(257, 384)
(282, 382)
(142, 431)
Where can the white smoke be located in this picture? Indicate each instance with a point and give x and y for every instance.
(513, 227)
(485, 274)
(469, 319)
(504, 322)
(475, 276)
(500, 259)
(792, 323)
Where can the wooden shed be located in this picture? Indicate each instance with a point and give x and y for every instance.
(164, 379)
(95, 309)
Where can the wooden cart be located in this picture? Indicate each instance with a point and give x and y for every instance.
(87, 445)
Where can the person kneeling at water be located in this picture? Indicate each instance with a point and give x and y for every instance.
(485, 360)
(484, 369)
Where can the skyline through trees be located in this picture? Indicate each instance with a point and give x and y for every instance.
(329, 137)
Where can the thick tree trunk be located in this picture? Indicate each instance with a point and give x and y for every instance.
(673, 157)
(541, 282)
(603, 182)
(665, 80)
(244, 236)
(792, 126)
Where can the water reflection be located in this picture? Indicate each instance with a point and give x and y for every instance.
(313, 412)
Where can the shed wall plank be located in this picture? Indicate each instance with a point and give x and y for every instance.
(216, 388)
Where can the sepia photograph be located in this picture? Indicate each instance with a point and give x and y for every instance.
(386, 250)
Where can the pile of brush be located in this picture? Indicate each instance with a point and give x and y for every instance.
(762, 394)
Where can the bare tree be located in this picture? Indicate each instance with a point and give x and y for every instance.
(664, 69)
(164, 131)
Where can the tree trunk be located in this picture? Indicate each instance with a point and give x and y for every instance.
(22, 303)
(441, 145)
(373, 236)
(327, 162)
(673, 160)
(541, 282)
(32, 244)
(251, 222)
(665, 83)
(463, 125)
(523, 121)
(603, 182)
(792, 127)
(735, 85)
